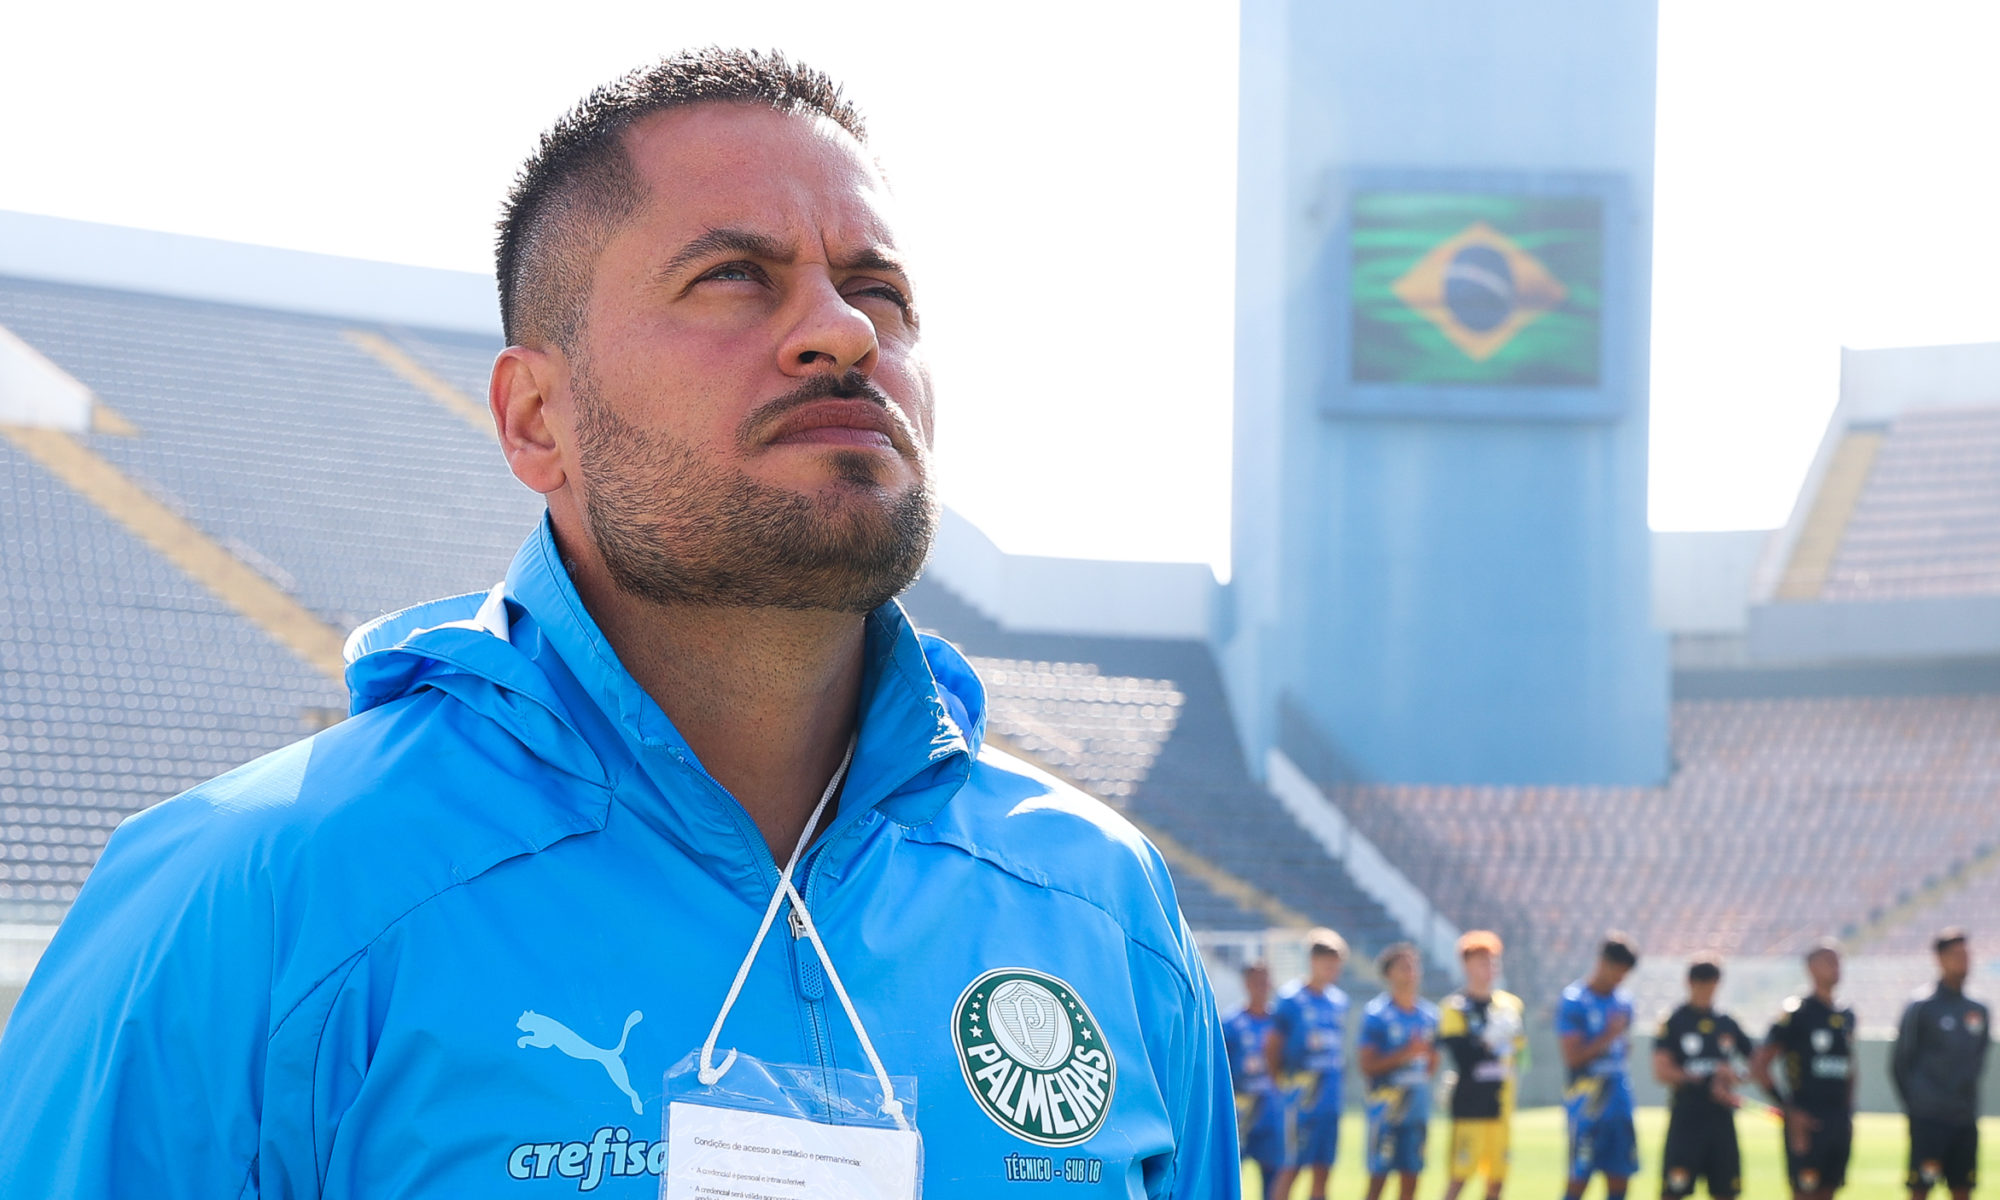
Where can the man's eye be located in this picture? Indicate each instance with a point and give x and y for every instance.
(885, 291)
(732, 273)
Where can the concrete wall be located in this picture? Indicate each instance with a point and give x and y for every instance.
(1701, 581)
(1035, 594)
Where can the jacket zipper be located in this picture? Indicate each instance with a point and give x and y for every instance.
(804, 879)
(805, 959)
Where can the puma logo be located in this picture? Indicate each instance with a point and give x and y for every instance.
(544, 1031)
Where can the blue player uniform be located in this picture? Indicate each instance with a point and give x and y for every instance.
(1399, 1101)
(1313, 1024)
(1261, 1112)
(1598, 1100)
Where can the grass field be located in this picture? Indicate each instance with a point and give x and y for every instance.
(1881, 1148)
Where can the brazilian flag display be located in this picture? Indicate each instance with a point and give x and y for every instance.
(1457, 288)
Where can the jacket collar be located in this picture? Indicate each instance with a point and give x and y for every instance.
(922, 710)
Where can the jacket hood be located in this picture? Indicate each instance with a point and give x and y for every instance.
(528, 657)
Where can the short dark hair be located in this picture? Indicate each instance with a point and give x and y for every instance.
(1949, 936)
(1619, 950)
(1392, 952)
(1825, 945)
(579, 184)
(1705, 969)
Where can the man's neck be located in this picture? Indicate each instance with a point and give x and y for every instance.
(766, 698)
(1480, 996)
(1407, 1003)
(1824, 995)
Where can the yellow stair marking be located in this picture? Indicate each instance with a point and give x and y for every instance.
(227, 577)
(106, 419)
(1826, 524)
(416, 374)
(1241, 892)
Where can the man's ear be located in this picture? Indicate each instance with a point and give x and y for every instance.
(525, 383)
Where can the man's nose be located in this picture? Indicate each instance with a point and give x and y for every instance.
(827, 333)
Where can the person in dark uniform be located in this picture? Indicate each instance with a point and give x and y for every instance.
(1939, 1055)
(1812, 1044)
(1694, 1054)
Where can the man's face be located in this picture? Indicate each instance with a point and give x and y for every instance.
(1611, 974)
(750, 421)
(1824, 967)
(1955, 961)
(1701, 992)
(1401, 973)
(1481, 968)
(1324, 968)
(1257, 986)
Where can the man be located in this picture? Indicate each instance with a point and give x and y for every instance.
(1485, 1032)
(1693, 1055)
(1262, 1116)
(1812, 1043)
(1398, 1052)
(1307, 1051)
(470, 941)
(1592, 1022)
(1939, 1056)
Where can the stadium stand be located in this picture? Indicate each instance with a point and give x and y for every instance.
(121, 682)
(1786, 819)
(122, 679)
(286, 443)
(1927, 522)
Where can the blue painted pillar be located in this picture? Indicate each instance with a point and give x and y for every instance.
(1441, 557)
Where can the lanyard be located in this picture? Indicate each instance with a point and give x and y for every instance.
(710, 1072)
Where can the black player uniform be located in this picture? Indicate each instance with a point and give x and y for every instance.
(1816, 1069)
(1701, 1130)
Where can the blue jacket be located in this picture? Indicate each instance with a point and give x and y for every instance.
(451, 946)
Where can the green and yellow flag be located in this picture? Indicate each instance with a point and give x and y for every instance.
(1457, 288)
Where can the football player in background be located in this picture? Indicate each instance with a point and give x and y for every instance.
(1939, 1055)
(1593, 1021)
(1398, 1052)
(1484, 1032)
(1262, 1116)
(1694, 1054)
(1812, 1043)
(1307, 1053)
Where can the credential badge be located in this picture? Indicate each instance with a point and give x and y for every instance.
(1034, 1056)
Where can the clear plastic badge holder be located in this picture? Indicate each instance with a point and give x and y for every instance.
(778, 1132)
(743, 1129)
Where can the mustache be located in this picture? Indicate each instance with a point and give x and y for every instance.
(851, 386)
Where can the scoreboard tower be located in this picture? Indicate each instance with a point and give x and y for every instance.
(1441, 556)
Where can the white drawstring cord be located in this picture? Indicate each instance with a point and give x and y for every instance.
(709, 1072)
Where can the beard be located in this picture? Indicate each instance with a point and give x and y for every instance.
(679, 528)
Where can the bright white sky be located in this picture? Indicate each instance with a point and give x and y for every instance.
(1067, 169)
